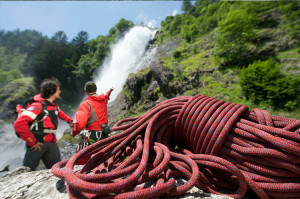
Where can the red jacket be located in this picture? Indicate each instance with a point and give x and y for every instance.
(23, 122)
(92, 113)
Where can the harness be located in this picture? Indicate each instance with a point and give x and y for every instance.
(37, 127)
(88, 137)
(38, 122)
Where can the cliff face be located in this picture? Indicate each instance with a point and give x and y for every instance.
(152, 85)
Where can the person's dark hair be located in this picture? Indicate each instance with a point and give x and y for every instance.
(90, 87)
(49, 87)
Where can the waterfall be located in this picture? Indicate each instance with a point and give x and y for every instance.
(12, 148)
(124, 59)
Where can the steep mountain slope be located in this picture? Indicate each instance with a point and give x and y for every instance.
(211, 62)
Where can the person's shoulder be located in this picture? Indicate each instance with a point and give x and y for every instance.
(85, 102)
(38, 98)
(101, 96)
(35, 106)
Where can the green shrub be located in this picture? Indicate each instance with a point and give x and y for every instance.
(263, 81)
(68, 138)
(176, 54)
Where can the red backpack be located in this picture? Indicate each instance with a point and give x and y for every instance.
(38, 122)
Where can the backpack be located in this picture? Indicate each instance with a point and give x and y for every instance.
(38, 122)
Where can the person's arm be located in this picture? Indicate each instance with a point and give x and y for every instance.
(82, 116)
(108, 93)
(64, 116)
(21, 125)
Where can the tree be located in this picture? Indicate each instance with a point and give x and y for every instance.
(79, 46)
(119, 29)
(190, 30)
(234, 37)
(187, 7)
(200, 5)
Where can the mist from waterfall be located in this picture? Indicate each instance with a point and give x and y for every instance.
(125, 55)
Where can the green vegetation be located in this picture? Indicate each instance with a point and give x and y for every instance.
(16, 90)
(253, 48)
(68, 138)
(263, 81)
(235, 33)
(243, 52)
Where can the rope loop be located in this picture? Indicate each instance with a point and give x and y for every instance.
(211, 143)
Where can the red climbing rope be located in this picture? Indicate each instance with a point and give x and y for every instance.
(212, 143)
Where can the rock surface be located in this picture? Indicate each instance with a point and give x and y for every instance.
(22, 183)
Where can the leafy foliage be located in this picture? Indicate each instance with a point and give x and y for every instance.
(119, 29)
(187, 7)
(15, 92)
(7, 76)
(9, 65)
(20, 41)
(235, 33)
(263, 81)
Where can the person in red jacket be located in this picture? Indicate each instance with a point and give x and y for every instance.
(92, 114)
(40, 136)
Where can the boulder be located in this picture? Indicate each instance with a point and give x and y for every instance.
(163, 77)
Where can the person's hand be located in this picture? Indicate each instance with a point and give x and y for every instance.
(112, 89)
(71, 124)
(37, 146)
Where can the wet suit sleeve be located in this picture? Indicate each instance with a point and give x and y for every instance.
(107, 95)
(22, 123)
(64, 116)
(82, 117)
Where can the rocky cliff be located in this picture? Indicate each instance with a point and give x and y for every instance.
(153, 84)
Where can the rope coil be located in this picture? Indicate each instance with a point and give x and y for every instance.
(212, 143)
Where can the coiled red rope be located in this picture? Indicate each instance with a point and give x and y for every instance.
(212, 143)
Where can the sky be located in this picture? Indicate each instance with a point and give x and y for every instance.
(94, 17)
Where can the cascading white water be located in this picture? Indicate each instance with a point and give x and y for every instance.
(125, 55)
(12, 148)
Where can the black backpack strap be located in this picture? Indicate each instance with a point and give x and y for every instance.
(38, 123)
(43, 113)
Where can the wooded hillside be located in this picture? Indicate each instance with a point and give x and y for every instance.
(243, 52)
